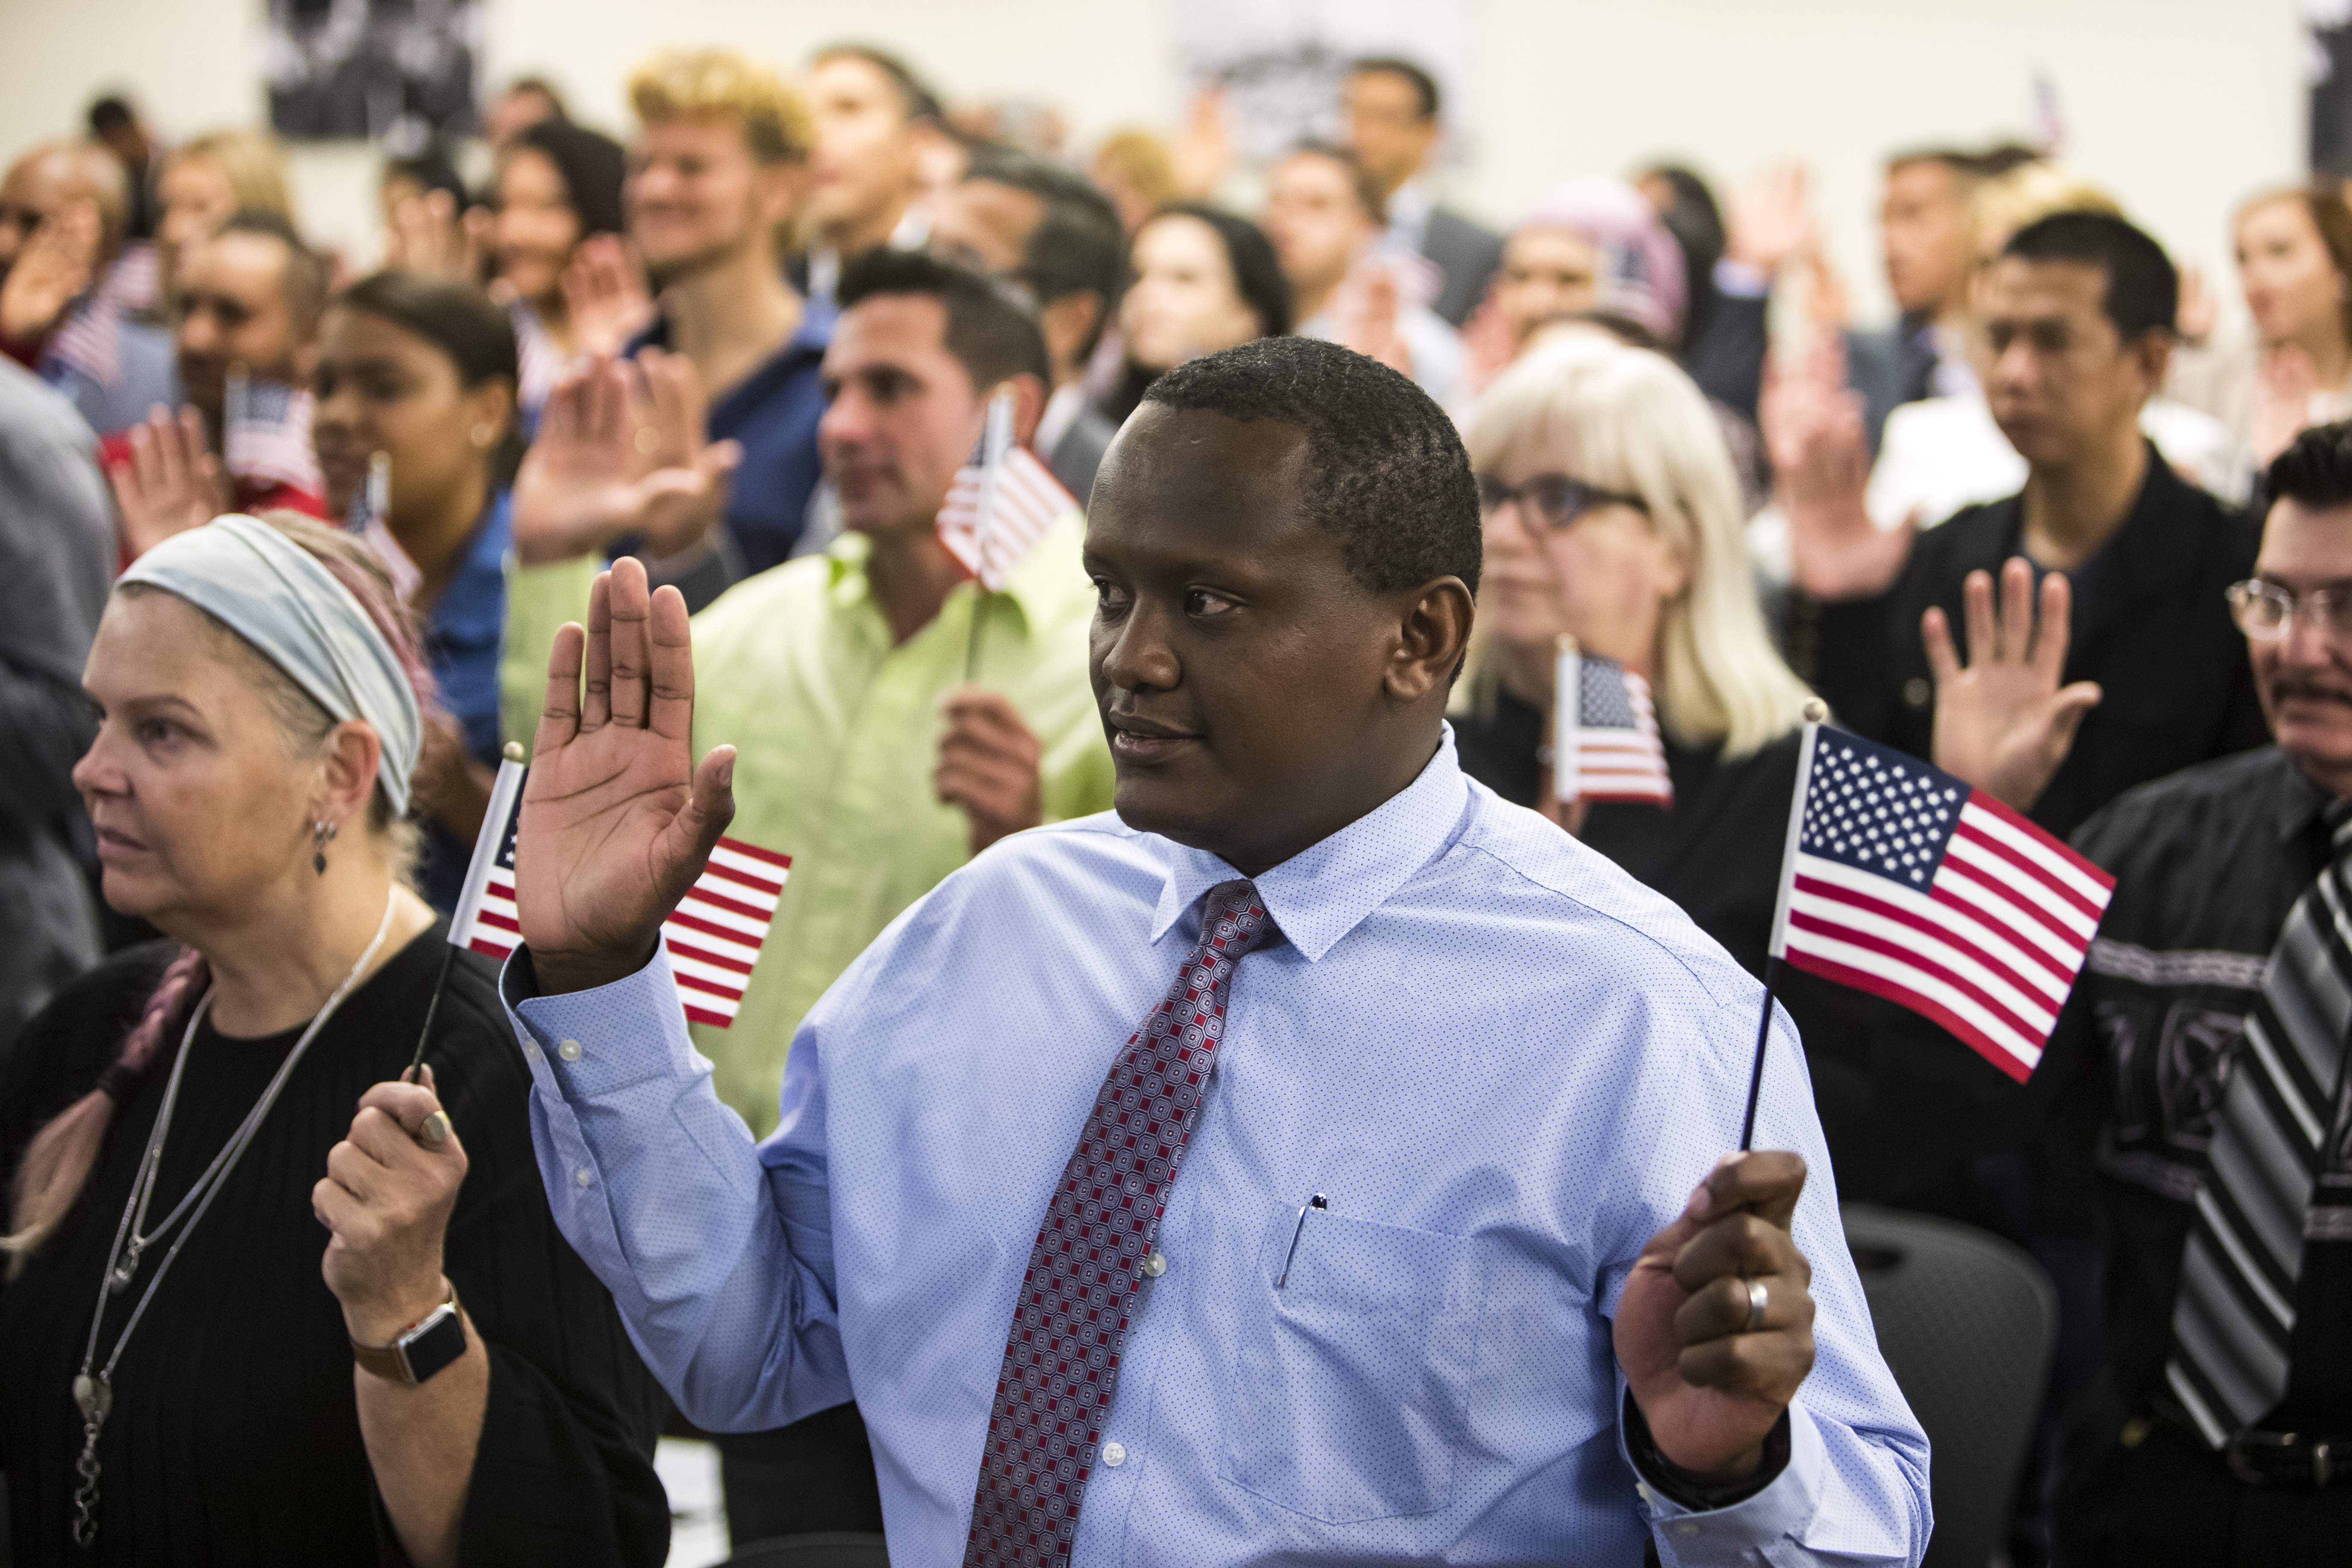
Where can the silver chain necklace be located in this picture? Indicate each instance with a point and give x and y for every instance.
(93, 1391)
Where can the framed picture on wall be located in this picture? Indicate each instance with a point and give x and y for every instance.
(400, 72)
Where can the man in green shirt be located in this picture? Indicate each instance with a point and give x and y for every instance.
(882, 738)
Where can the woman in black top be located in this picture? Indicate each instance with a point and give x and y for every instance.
(248, 788)
(1616, 518)
(1613, 516)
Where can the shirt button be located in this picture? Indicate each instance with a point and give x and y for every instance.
(584, 1175)
(1114, 1455)
(1156, 1265)
(1916, 692)
(569, 1050)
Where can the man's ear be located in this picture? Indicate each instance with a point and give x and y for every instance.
(782, 186)
(1433, 635)
(2154, 351)
(1028, 405)
(1067, 323)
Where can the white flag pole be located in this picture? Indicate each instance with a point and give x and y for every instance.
(503, 792)
(1567, 718)
(996, 444)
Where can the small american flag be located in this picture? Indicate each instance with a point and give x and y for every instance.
(1002, 503)
(1901, 880)
(713, 938)
(266, 434)
(1605, 742)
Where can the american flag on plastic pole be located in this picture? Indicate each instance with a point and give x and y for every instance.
(1002, 503)
(266, 434)
(1606, 744)
(1903, 881)
(713, 937)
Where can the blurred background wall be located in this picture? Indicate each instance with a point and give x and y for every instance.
(2181, 107)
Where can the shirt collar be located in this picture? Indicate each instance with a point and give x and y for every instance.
(472, 608)
(1062, 411)
(1409, 205)
(1326, 890)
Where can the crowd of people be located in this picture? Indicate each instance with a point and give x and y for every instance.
(633, 453)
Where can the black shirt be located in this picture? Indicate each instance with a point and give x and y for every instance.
(234, 1434)
(1903, 1106)
(2149, 625)
(2207, 865)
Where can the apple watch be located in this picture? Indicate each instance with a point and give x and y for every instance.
(419, 1351)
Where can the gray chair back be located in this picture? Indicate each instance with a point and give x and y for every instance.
(1965, 1321)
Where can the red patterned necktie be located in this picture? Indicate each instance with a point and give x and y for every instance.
(1061, 1358)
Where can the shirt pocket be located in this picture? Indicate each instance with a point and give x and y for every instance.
(1347, 1400)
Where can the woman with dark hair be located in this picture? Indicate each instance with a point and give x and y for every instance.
(240, 1323)
(1199, 279)
(557, 186)
(419, 372)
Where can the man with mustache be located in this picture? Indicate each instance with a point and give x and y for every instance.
(2199, 1077)
(1400, 1226)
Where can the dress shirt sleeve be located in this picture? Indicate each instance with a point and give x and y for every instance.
(660, 1189)
(1855, 1488)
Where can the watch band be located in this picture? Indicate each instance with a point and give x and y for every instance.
(390, 1361)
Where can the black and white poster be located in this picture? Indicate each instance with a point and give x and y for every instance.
(399, 72)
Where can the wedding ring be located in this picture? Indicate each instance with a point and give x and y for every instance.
(436, 1131)
(1756, 1299)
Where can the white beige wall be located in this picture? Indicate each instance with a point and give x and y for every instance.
(2181, 106)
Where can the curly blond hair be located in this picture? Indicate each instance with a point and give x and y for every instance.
(721, 84)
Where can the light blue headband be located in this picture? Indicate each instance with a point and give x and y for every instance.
(277, 595)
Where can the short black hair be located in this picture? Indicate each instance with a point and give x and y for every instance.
(1257, 272)
(1424, 84)
(993, 333)
(1386, 470)
(1366, 189)
(308, 275)
(2143, 292)
(110, 113)
(1079, 246)
(915, 95)
(2315, 470)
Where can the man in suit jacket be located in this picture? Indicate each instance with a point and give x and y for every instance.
(1056, 238)
(1393, 129)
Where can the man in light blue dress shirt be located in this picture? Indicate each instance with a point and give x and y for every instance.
(1454, 1270)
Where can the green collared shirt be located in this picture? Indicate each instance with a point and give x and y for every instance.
(836, 734)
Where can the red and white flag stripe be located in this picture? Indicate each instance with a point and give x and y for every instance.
(1027, 501)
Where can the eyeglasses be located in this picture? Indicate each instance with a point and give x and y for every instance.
(1555, 499)
(2262, 610)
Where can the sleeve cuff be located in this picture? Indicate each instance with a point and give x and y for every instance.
(584, 1044)
(1740, 280)
(1733, 1532)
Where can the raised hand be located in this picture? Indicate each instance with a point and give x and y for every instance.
(1772, 219)
(2003, 723)
(1710, 1380)
(1203, 150)
(617, 821)
(429, 234)
(57, 267)
(621, 450)
(172, 483)
(605, 295)
(1369, 323)
(1811, 424)
(989, 764)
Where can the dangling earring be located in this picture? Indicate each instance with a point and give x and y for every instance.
(321, 835)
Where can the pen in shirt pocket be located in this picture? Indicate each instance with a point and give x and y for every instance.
(1316, 1202)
